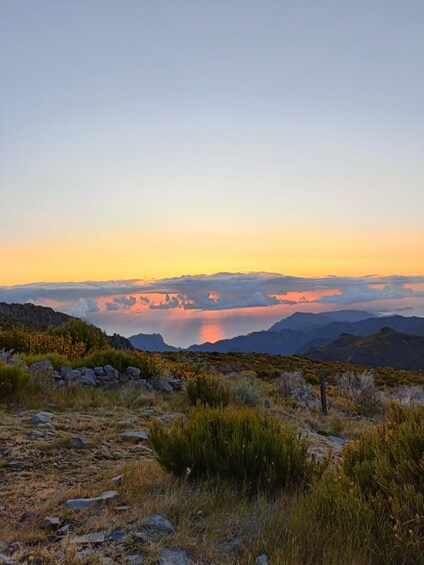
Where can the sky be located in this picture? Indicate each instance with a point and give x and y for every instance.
(150, 141)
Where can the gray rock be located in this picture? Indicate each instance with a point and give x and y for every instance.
(135, 559)
(86, 539)
(6, 560)
(163, 386)
(69, 374)
(337, 440)
(88, 377)
(133, 372)
(133, 434)
(84, 553)
(262, 559)
(84, 503)
(176, 384)
(79, 442)
(42, 417)
(100, 372)
(64, 530)
(50, 522)
(141, 537)
(46, 426)
(44, 367)
(117, 481)
(111, 372)
(173, 557)
(157, 523)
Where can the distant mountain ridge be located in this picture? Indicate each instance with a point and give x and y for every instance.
(387, 348)
(150, 342)
(289, 342)
(305, 321)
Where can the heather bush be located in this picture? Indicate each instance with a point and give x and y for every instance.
(242, 445)
(361, 391)
(12, 380)
(207, 390)
(247, 393)
(371, 509)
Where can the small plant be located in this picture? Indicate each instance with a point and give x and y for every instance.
(361, 390)
(242, 445)
(12, 380)
(292, 385)
(247, 394)
(208, 390)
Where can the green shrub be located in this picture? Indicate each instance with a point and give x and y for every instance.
(207, 390)
(80, 331)
(247, 393)
(56, 359)
(243, 445)
(373, 505)
(12, 380)
(150, 365)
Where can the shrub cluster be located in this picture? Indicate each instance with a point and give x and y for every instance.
(207, 390)
(247, 394)
(12, 380)
(243, 445)
(373, 506)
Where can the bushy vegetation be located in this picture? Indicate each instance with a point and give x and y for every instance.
(208, 390)
(82, 332)
(247, 393)
(12, 380)
(242, 445)
(150, 365)
(360, 389)
(56, 359)
(373, 506)
(39, 343)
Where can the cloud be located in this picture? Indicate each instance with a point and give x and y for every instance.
(220, 291)
(83, 307)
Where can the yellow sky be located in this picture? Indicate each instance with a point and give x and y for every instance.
(173, 252)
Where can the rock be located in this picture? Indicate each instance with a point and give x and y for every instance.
(163, 386)
(111, 372)
(46, 426)
(64, 530)
(26, 516)
(100, 372)
(44, 367)
(115, 535)
(69, 374)
(15, 465)
(157, 523)
(262, 559)
(84, 553)
(50, 522)
(88, 377)
(176, 384)
(173, 557)
(79, 442)
(337, 440)
(6, 560)
(117, 481)
(94, 537)
(83, 503)
(133, 434)
(141, 537)
(135, 559)
(133, 372)
(42, 417)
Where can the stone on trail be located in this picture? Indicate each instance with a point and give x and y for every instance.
(173, 557)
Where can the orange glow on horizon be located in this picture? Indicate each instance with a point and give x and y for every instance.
(293, 251)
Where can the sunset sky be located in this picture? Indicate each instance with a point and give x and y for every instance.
(147, 142)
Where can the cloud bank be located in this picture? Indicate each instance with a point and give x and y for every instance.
(220, 291)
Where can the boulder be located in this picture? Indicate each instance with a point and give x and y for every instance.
(159, 524)
(173, 557)
(44, 367)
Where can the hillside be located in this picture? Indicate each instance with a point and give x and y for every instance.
(385, 348)
(31, 316)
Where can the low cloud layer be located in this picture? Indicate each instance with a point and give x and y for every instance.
(221, 291)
